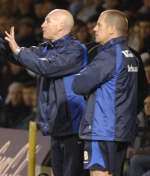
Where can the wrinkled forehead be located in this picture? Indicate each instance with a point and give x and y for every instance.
(48, 16)
(101, 19)
(54, 16)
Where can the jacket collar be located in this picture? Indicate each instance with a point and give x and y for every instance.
(56, 43)
(113, 42)
(60, 42)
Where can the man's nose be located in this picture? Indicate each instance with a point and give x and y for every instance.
(94, 29)
(43, 24)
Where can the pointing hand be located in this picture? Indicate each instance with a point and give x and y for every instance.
(10, 37)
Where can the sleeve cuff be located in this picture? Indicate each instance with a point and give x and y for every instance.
(18, 50)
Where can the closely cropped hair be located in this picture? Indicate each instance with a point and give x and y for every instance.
(117, 18)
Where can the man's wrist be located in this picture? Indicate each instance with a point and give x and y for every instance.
(17, 51)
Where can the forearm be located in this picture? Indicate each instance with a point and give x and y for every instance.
(56, 65)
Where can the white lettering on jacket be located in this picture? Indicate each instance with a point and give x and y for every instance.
(132, 68)
(128, 53)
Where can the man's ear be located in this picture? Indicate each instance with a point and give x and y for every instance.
(111, 30)
(61, 27)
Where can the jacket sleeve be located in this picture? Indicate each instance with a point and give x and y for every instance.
(96, 73)
(54, 65)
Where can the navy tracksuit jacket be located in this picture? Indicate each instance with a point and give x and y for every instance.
(110, 83)
(60, 109)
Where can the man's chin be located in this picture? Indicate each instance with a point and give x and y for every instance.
(45, 37)
(97, 40)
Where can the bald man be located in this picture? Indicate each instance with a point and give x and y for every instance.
(110, 83)
(56, 61)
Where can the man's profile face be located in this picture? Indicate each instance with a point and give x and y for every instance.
(50, 27)
(101, 30)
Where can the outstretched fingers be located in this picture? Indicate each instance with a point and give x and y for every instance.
(12, 31)
(10, 36)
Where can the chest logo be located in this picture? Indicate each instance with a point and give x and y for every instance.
(127, 53)
(132, 68)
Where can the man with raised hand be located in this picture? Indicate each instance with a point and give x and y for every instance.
(109, 83)
(56, 61)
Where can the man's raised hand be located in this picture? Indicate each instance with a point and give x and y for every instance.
(10, 38)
